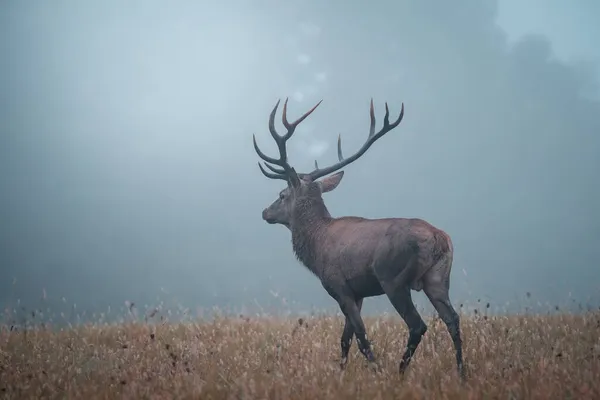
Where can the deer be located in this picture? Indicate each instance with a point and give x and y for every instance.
(357, 258)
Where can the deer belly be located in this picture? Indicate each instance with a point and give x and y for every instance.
(365, 285)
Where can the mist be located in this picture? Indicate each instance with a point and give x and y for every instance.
(127, 171)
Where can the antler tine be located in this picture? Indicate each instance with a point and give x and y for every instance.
(275, 170)
(261, 154)
(292, 127)
(339, 144)
(270, 174)
(317, 173)
(272, 129)
(372, 115)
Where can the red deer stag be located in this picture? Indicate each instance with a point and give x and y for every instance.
(356, 257)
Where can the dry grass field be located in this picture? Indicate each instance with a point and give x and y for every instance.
(519, 357)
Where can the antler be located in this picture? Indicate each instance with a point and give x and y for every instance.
(286, 172)
(317, 173)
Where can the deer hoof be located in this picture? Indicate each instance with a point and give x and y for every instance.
(375, 367)
(343, 363)
(402, 369)
(462, 373)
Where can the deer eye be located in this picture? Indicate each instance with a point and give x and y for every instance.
(281, 196)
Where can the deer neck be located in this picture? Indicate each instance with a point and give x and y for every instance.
(309, 222)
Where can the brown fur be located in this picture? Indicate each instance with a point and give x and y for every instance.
(355, 257)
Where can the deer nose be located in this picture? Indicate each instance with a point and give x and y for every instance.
(264, 214)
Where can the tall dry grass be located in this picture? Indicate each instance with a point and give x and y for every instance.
(519, 357)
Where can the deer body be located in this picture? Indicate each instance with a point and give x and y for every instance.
(355, 257)
(366, 254)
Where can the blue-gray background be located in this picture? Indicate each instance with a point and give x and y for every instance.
(127, 171)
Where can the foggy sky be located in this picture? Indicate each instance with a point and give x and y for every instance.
(127, 170)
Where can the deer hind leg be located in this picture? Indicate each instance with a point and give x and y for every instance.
(436, 287)
(401, 299)
(346, 340)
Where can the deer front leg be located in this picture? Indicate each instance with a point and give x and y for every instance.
(348, 305)
(352, 313)
(346, 340)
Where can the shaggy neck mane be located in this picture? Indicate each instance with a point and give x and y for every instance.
(309, 219)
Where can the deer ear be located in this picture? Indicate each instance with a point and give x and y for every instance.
(293, 179)
(331, 182)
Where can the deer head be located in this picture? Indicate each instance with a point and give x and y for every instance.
(305, 189)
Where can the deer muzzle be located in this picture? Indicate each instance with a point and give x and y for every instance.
(266, 217)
